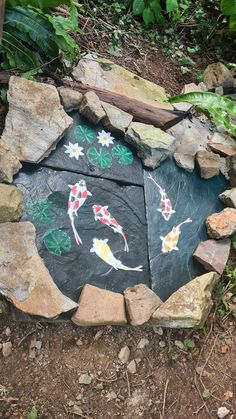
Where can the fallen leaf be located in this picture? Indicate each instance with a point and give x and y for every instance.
(228, 394)
(224, 349)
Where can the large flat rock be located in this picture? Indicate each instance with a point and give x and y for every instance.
(191, 198)
(24, 279)
(71, 264)
(117, 160)
(36, 120)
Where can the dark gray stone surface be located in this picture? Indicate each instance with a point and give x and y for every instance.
(191, 197)
(120, 164)
(46, 194)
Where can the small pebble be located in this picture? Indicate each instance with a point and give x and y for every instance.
(222, 412)
(85, 379)
(131, 367)
(79, 342)
(179, 344)
(98, 335)
(124, 354)
(162, 344)
(8, 331)
(6, 349)
(143, 343)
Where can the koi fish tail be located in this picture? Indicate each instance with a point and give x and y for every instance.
(77, 237)
(126, 268)
(125, 240)
(185, 222)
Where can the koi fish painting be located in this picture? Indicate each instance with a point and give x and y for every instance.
(170, 241)
(103, 215)
(78, 196)
(166, 210)
(103, 251)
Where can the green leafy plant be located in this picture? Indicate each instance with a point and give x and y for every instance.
(222, 110)
(189, 344)
(99, 157)
(57, 241)
(228, 8)
(152, 11)
(84, 133)
(123, 154)
(33, 414)
(224, 291)
(32, 35)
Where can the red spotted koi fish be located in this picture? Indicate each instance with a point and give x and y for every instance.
(103, 251)
(166, 210)
(78, 196)
(103, 215)
(170, 241)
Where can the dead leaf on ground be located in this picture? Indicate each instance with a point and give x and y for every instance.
(228, 395)
(224, 349)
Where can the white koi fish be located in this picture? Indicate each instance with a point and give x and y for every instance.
(166, 210)
(103, 251)
(170, 241)
(78, 196)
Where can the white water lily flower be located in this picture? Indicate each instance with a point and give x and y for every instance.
(105, 138)
(74, 150)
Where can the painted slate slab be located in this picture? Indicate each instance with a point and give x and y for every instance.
(93, 231)
(177, 204)
(93, 151)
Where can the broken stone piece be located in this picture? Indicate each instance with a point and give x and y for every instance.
(190, 88)
(9, 163)
(228, 197)
(141, 302)
(222, 412)
(223, 144)
(70, 98)
(131, 367)
(99, 307)
(143, 343)
(124, 355)
(152, 144)
(85, 379)
(11, 203)
(189, 306)
(213, 254)
(231, 168)
(217, 74)
(24, 279)
(36, 120)
(221, 225)
(208, 164)
(185, 161)
(91, 108)
(6, 349)
(116, 120)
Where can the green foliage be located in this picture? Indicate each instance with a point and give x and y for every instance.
(228, 8)
(57, 241)
(123, 154)
(206, 394)
(152, 11)
(32, 35)
(221, 109)
(224, 291)
(33, 414)
(189, 344)
(99, 157)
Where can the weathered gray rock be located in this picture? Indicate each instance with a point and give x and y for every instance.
(208, 164)
(231, 169)
(223, 144)
(7, 349)
(70, 98)
(228, 197)
(36, 120)
(131, 367)
(152, 144)
(143, 343)
(85, 379)
(221, 225)
(218, 74)
(185, 161)
(213, 254)
(189, 306)
(116, 120)
(141, 302)
(24, 279)
(9, 163)
(91, 108)
(99, 307)
(11, 203)
(124, 354)
(222, 412)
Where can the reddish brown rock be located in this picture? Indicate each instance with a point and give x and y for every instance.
(99, 307)
(228, 197)
(213, 254)
(222, 225)
(91, 108)
(141, 302)
(208, 164)
(223, 144)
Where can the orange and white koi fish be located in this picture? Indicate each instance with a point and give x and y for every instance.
(166, 210)
(103, 251)
(78, 196)
(170, 241)
(103, 215)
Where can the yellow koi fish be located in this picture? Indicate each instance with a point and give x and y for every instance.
(103, 251)
(170, 241)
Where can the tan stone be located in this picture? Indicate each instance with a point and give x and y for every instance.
(213, 254)
(9, 163)
(185, 161)
(70, 98)
(99, 307)
(11, 203)
(189, 306)
(36, 120)
(124, 354)
(141, 302)
(91, 108)
(131, 367)
(217, 74)
(208, 164)
(6, 349)
(190, 88)
(24, 279)
(228, 197)
(223, 144)
(221, 225)
(116, 120)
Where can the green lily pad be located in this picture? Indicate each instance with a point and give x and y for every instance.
(57, 241)
(123, 154)
(41, 212)
(84, 133)
(99, 157)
